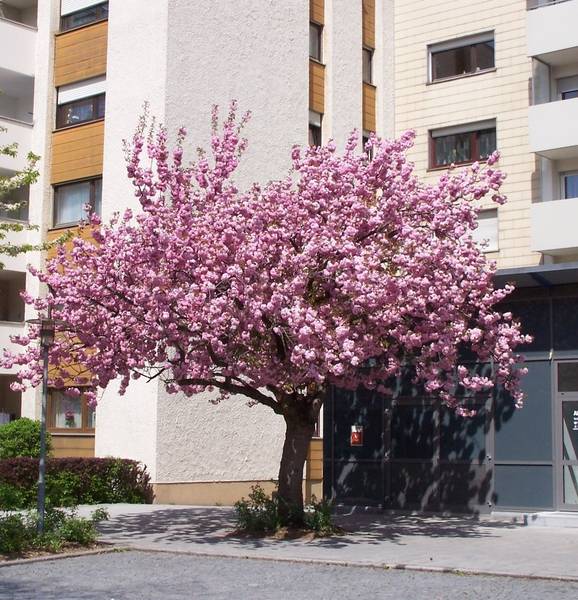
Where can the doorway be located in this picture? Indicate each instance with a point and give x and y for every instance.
(567, 434)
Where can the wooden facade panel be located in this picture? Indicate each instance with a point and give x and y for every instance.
(80, 54)
(72, 445)
(77, 152)
(315, 460)
(316, 86)
(317, 11)
(369, 107)
(369, 23)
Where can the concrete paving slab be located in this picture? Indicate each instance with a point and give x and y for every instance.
(417, 542)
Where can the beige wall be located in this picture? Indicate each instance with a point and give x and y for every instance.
(502, 94)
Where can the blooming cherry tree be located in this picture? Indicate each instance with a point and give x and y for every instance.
(340, 274)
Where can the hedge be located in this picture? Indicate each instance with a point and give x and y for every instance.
(73, 481)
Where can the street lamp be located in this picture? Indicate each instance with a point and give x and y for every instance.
(47, 331)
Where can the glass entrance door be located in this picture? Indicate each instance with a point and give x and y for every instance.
(567, 409)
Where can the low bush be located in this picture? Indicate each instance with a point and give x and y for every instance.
(73, 481)
(22, 438)
(62, 529)
(260, 513)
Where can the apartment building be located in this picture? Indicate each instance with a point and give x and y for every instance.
(469, 79)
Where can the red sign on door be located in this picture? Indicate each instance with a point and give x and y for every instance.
(356, 437)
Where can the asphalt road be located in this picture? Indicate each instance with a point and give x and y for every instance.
(146, 576)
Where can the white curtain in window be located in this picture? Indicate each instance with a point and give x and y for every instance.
(71, 6)
(70, 203)
(67, 411)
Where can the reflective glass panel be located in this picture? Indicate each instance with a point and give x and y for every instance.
(70, 201)
(571, 185)
(67, 411)
(570, 430)
(571, 484)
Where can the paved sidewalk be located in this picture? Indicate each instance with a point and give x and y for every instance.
(453, 543)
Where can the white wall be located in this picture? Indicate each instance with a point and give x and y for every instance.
(136, 72)
(343, 58)
(219, 51)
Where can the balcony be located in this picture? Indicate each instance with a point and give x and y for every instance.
(553, 129)
(552, 31)
(20, 133)
(553, 226)
(19, 47)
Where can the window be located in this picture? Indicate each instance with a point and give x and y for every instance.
(462, 57)
(462, 144)
(12, 283)
(570, 185)
(85, 16)
(19, 197)
(314, 128)
(70, 413)
(568, 88)
(364, 140)
(71, 201)
(315, 41)
(368, 65)
(80, 111)
(487, 231)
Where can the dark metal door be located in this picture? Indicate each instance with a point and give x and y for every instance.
(416, 454)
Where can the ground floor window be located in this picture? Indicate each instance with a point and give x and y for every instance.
(70, 413)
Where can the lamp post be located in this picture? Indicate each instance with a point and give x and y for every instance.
(47, 329)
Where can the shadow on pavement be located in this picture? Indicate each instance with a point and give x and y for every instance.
(216, 525)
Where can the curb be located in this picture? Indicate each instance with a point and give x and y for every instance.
(63, 555)
(368, 565)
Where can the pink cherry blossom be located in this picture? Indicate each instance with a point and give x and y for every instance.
(339, 274)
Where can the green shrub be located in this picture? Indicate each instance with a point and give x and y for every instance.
(73, 481)
(16, 534)
(22, 438)
(258, 514)
(261, 513)
(62, 528)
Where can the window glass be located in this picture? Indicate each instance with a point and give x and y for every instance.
(569, 95)
(452, 149)
(97, 206)
(70, 201)
(19, 196)
(314, 135)
(367, 65)
(80, 111)
(565, 325)
(486, 143)
(571, 185)
(462, 60)
(67, 411)
(571, 484)
(315, 41)
(459, 148)
(568, 377)
(84, 16)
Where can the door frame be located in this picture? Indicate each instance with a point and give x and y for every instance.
(559, 462)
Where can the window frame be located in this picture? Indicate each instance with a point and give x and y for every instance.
(473, 130)
(92, 199)
(99, 6)
(366, 50)
(455, 44)
(60, 108)
(315, 128)
(84, 412)
(563, 184)
(319, 29)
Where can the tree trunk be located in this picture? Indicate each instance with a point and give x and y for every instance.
(297, 437)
